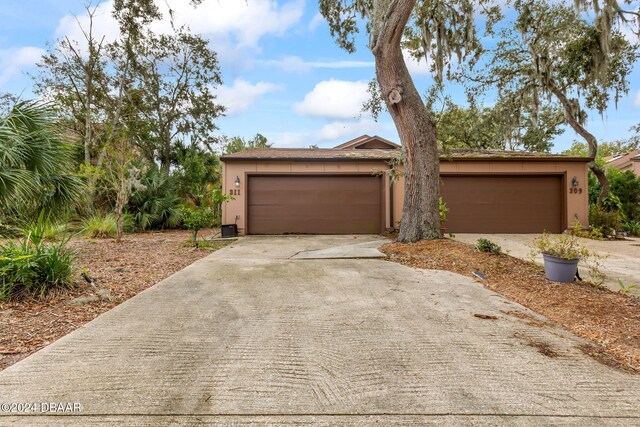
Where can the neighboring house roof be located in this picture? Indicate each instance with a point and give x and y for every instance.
(351, 154)
(368, 142)
(623, 160)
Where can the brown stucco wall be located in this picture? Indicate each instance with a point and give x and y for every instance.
(234, 211)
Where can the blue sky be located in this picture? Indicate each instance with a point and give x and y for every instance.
(283, 75)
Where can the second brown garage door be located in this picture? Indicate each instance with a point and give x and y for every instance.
(503, 204)
(314, 204)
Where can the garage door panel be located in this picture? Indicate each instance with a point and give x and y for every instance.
(503, 204)
(315, 204)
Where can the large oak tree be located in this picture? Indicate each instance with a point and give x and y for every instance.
(436, 30)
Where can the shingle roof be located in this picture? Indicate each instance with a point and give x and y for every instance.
(326, 154)
(310, 154)
(364, 139)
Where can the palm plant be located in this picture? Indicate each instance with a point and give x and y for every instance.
(156, 204)
(36, 163)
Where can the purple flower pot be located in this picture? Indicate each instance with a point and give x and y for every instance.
(560, 269)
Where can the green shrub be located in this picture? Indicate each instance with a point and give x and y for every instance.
(33, 266)
(625, 185)
(197, 218)
(100, 226)
(486, 245)
(157, 204)
(632, 227)
(611, 203)
(8, 231)
(608, 222)
(43, 227)
(128, 222)
(588, 233)
(443, 209)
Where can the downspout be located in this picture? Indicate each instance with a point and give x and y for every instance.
(391, 227)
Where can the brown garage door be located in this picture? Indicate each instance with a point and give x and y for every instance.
(503, 204)
(335, 204)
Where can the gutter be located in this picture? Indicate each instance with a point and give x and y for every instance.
(383, 159)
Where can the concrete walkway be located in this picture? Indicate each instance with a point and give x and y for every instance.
(622, 256)
(248, 336)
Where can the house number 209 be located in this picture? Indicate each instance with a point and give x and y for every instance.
(234, 192)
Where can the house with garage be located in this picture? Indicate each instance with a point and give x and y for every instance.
(348, 190)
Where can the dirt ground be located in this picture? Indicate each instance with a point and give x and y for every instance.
(620, 257)
(119, 270)
(611, 321)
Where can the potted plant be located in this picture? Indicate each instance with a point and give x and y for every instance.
(561, 255)
(442, 207)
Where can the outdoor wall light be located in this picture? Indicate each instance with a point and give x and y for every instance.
(237, 181)
(574, 182)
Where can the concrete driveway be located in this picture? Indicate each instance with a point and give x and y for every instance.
(250, 336)
(622, 256)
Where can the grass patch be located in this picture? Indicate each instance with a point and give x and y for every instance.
(99, 225)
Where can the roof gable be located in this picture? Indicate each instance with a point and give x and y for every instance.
(368, 142)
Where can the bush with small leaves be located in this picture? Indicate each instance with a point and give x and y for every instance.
(486, 245)
(197, 218)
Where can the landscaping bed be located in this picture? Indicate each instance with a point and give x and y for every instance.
(119, 270)
(610, 321)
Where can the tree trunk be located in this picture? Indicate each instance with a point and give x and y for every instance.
(591, 140)
(165, 158)
(417, 130)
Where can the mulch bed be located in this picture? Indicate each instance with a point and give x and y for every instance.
(119, 269)
(611, 321)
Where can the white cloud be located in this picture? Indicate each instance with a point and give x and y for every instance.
(334, 99)
(248, 21)
(242, 94)
(289, 64)
(316, 21)
(234, 27)
(332, 134)
(14, 60)
(347, 129)
(103, 25)
(296, 64)
(636, 101)
(416, 66)
(342, 64)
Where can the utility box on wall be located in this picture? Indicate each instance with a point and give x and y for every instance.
(229, 230)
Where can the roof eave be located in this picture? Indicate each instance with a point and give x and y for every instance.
(442, 158)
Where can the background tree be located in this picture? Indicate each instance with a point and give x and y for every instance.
(553, 51)
(197, 172)
(122, 176)
(236, 143)
(174, 75)
(72, 77)
(501, 127)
